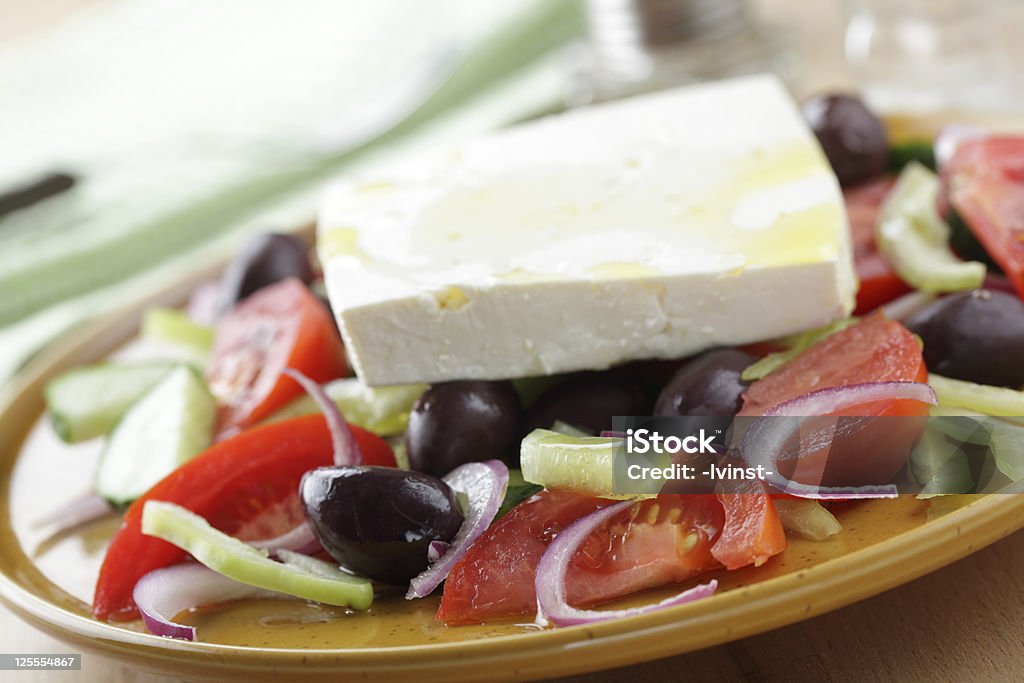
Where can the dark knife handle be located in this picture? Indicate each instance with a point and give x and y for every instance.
(35, 190)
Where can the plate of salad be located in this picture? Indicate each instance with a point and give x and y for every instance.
(203, 487)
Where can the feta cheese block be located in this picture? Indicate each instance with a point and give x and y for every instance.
(654, 227)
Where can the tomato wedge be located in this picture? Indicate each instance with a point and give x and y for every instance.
(280, 326)
(873, 350)
(246, 486)
(752, 532)
(660, 541)
(879, 283)
(984, 183)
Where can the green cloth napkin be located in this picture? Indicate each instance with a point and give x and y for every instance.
(192, 126)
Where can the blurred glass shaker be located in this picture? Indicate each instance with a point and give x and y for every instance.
(918, 55)
(638, 46)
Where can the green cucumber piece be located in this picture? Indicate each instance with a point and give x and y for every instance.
(169, 425)
(807, 518)
(905, 153)
(87, 402)
(964, 243)
(981, 398)
(240, 561)
(516, 492)
(915, 239)
(381, 410)
(174, 326)
(568, 429)
(570, 463)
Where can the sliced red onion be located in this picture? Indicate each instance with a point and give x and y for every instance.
(204, 303)
(436, 550)
(609, 434)
(346, 448)
(901, 308)
(999, 283)
(950, 137)
(78, 511)
(550, 582)
(300, 540)
(484, 483)
(828, 401)
(164, 593)
(766, 438)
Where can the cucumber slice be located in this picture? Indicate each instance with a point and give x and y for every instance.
(381, 410)
(915, 239)
(87, 402)
(240, 561)
(981, 398)
(568, 429)
(807, 518)
(169, 425)
(570, 463)
(174, 326)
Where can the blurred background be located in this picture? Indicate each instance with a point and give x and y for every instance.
(144, 139)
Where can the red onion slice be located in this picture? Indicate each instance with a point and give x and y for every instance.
(164, 593)
(484, 483)
(204, 303)
(346, 448)
(300, 540)
(436, 550)
(78, 511)
(901, 308)
(554, 566)
(609, 434)
(766, 438)
(834, 399)
(950, 137)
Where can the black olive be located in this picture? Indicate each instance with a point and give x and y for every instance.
(974, 336)
(853, 138)
(708, 385)
(264, 260)
(458, 422)
(378, 522)
(588, 401)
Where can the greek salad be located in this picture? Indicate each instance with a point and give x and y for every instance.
(250, 463)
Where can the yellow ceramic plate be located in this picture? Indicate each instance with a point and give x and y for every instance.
(49, 581)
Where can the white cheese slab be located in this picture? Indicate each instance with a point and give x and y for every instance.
(649, 228)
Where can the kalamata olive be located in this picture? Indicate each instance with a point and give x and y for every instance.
(708, 385)
(588, 401)
(975, 336)
(264, 260)
(853, 138)
(458, 422)
(379, 521)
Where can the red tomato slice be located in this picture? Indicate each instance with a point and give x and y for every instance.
(660, 541)
(752, 532)
(984, 182)
(863, 203)
(873, 350)
(246, 486)
(280, 326)
(879, 283)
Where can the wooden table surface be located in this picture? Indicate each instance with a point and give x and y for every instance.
(959, 623)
